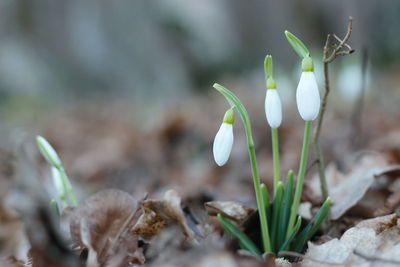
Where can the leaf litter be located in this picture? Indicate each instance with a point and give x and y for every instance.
(166, 234)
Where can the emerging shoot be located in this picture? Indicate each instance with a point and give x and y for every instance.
(60, 179)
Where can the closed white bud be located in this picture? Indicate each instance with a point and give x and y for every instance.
(223, 143)
(307, 96)
(48, 152)
(58, 183)
(273, 108)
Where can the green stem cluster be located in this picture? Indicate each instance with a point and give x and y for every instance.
(278, 217)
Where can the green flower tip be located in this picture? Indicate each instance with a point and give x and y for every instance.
(307, 64)
(217, 85)
(297, 45)
(268, 66)
(48, 151)
(229, 116)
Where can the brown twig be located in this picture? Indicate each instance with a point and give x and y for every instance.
(330, 52)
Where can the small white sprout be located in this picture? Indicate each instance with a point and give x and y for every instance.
(223, 141)
(58, 183)
(307, 94)
(48, 151)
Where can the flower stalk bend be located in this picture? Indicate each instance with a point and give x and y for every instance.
(233, 100)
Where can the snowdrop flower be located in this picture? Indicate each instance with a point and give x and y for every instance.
(223, 141)
(273, 106)
(307, 94)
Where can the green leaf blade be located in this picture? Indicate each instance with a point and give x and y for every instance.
(313, 226)
(244, 240)
(286, 205)
(265, 195)
(268, 67)
(276, 209)
(297, 45)
(296, 228)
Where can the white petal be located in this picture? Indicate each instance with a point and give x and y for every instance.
(57, 180)
(273, 108)
(223, 143)
(307, 96)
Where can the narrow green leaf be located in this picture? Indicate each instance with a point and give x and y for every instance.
(276, 209)
(242, 246)
(244, 240)
(313, 226)
(68, 186)
(265, 195)
(286, 205)
(268, 67)
(295, 230)
(297, 45)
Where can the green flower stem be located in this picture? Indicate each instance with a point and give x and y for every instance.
(275, 156)
(234, 100)
(300, 178)
(67, 186)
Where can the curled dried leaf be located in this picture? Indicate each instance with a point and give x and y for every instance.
(229, 209)
(108, 215)
(157, 214)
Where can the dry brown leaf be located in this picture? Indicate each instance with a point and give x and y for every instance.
(346, 190)
(230, 209)
(107, 216)
(157, 214)
(378, 238)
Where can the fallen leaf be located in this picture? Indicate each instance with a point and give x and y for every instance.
(157, 214)
(378, 238)
(230, 209)
(107, 217)
(346, 190)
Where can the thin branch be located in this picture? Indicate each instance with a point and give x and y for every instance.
(342, 43)
(340, 49)
(340, 40)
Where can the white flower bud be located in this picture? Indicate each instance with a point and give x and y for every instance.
(307, 96)
(223, 143)
(273, 108)
(48, 152)
(57, 180)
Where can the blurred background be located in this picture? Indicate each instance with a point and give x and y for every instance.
(123, 90)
